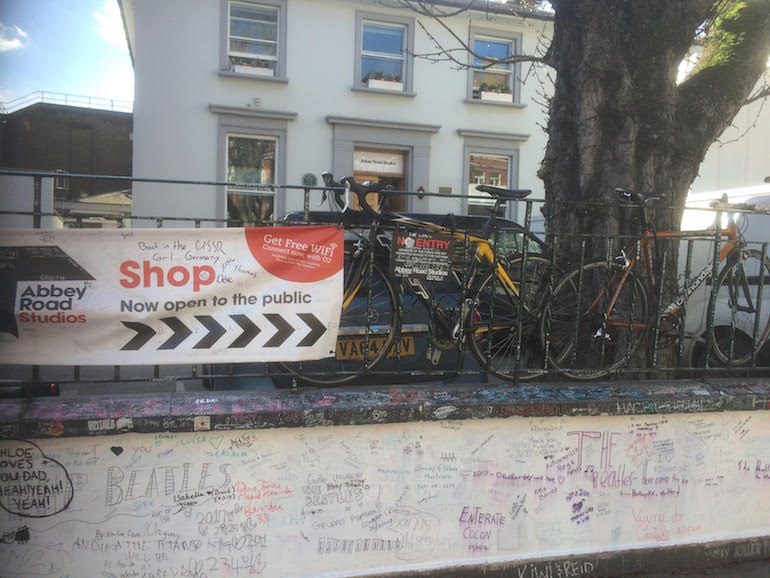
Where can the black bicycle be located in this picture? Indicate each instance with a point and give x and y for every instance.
(498, 294)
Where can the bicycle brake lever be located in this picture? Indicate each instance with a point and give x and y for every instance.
(624, 258)
(347, 196)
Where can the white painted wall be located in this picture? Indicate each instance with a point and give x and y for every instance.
(741, 156)
(17, 193)
(342, 500)
(177, 56)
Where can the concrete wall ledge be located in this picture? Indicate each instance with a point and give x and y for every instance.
(746, 558)
(190, 412)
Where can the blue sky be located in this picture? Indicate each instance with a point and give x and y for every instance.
(76, 47)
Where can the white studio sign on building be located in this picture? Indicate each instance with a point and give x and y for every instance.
(75, 297)
(378, 162)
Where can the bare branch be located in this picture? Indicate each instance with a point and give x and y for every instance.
(437, 15)
(761, 94)
(748, 129)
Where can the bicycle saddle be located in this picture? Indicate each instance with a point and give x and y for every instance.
(638, 197)
(510, 194)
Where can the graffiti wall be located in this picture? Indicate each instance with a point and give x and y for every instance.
(347, 499)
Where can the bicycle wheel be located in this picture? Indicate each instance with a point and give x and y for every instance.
(502, 334)
(738, 312)
(366, 333)
(582, 339)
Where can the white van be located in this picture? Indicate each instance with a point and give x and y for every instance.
(733, 326)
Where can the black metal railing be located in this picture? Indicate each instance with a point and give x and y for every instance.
(64, 99)
(572, 316)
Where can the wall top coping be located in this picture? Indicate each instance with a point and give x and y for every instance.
(362, 405)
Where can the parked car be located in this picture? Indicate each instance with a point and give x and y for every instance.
(419, 357)
(508, 238)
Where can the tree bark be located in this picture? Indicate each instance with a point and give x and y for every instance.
(618, 118)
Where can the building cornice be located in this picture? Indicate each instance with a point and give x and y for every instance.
(252, 112)
(512, 136)
(510, 8)
(372, 123)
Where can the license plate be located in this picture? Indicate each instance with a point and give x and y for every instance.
(355, 348)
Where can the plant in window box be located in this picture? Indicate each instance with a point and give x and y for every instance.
(253, 67)
(495, 92)
(384, 81)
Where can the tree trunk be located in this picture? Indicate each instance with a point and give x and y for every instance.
(618, 118)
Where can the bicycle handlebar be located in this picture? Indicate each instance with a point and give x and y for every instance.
(638, 197)
(723, 205)
(384, 213)
(362, 190)
(336, 189)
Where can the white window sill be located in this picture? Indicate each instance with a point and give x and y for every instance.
(494, 103)
(231, 74)
(364, 88)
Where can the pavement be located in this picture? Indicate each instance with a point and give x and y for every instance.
(758, 569)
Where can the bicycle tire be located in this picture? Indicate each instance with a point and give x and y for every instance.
(367, 330)
(604, 343)
(734, 344)
(503, 336)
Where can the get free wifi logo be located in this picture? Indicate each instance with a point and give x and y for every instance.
(302, 254)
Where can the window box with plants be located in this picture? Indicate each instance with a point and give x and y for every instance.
(253, 67)
(384, 81)
(494, 93)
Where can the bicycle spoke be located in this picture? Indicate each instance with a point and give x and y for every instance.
(503, 329)
(366, 334)
(741, 323)
(587, 339)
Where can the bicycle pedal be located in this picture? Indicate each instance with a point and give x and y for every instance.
(602, 335)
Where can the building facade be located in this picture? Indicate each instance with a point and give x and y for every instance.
(70, 139)
(279, 91)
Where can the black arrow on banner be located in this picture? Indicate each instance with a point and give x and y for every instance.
(317, 329)
(215, 332)
(181, 332)
(250, 331)
(283, 327)
(143, 334)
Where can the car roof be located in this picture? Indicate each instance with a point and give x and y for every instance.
(461, 222)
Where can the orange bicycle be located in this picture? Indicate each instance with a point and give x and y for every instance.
(601, 312)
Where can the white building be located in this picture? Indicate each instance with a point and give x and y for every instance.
(267, 91)
(741, 156)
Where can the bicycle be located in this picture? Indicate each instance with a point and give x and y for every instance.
(380, 312)
(602, 311)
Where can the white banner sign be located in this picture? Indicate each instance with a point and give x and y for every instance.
(121, 297)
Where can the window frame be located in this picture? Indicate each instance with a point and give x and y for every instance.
(251, 123)
(279, 72)
(261, 136)
(512, 38)
(477, 146)
(387, 20)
